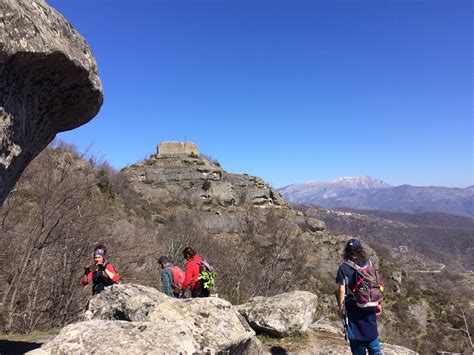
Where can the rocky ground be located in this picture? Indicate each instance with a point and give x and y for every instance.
(135, 319)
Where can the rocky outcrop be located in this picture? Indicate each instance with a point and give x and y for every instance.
(137, 319)
(281, 315)
(134, 319)
(199, 181)
(48, 83)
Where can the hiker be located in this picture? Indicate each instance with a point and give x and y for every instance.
(360, 321)
(193, 270)
(101, 272)
(172, 277)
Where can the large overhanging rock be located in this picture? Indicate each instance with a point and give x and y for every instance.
(48, 83)
(281, 315)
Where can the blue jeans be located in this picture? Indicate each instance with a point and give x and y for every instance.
(359, 347)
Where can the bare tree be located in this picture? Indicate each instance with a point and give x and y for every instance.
(47, 224)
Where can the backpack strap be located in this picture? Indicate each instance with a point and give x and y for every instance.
(355, 266)
(351, 264)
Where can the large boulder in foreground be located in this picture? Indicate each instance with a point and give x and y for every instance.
(121, 337)
(215, 325)
(281, 315)
(138, 319)
(127, 302)
(48, 83)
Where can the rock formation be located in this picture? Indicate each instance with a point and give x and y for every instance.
(48, 83)
(178, 171)
(121, 337)
(281, 315)
(134, 319)
(127, 302)
(137, 319)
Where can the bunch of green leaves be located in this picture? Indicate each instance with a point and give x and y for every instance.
(209, 279)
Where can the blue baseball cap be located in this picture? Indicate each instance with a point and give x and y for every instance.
(353, 244)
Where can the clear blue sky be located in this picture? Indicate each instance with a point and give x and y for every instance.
(291, 91)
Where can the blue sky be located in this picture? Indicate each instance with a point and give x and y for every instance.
(291, 91)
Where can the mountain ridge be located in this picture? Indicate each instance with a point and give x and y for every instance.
(373, 194)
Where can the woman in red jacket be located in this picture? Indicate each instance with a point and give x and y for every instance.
(193, 270)
(101, 273)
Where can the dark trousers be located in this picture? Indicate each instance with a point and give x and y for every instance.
(200, 292)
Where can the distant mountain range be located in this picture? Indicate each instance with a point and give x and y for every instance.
(368, 193)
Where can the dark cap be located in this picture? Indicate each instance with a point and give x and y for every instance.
(163, 260)
(353, 244)
(99, 251)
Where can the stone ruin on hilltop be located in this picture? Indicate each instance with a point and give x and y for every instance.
(177, 149)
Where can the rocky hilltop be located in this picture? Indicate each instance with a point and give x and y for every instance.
(178, 171)
(48, 83)
(143, 320)
(178, 176)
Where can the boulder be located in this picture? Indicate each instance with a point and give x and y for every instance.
(212, 323)
(127, 302)
(280, 315)
(315, 225)
(48, 83)
(121, 337)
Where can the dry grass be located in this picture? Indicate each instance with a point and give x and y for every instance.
(32, 337)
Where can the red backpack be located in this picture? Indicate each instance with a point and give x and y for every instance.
(368, 290)
(178, 277)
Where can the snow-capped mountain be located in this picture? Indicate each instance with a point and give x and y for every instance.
(368, 193)
(315, 190)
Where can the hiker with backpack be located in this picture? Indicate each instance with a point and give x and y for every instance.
(172, 277)
(199, 275)
(359, 294)
(100, 272)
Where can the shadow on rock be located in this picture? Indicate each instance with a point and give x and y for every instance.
(278, 350)
(8, 347)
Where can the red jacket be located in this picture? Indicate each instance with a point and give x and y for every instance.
(109, 267)
(193, 270)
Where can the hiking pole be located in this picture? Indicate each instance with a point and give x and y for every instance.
(345, 322)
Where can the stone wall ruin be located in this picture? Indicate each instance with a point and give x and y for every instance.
(177, 149)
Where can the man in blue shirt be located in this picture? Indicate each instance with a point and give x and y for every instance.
(172, 277)
(361, 327)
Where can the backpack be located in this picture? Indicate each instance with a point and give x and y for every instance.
(368, 289)
(178, 277)
(207, 275)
